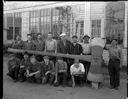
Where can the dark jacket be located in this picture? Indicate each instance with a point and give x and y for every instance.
(18, 44)
(61, 48)
(25, 63)
(40, 46)
(29, 45)
(75, 49)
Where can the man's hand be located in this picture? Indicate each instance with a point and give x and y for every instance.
(55, 81)
(22, 66)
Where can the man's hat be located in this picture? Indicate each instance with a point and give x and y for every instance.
(63, 34)
(46, 57)
(39, 34)
(86, 36)
(74, 36)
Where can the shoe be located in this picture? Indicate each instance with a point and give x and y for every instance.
(15, 80)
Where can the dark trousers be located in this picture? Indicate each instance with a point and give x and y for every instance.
(79, 79)
(62, 77)
(50, 78)
(35, 78)
(87, 67)
(13, 73)
(22, 73)
(114, 72)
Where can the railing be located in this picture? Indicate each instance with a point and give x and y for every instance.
(81, 57)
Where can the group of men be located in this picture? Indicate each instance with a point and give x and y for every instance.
(57, 67)
(57, 70)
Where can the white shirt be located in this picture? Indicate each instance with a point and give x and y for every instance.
(50, 45)
(86, 48)
(76, 70)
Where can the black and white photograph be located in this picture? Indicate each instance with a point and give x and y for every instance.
(65, 49)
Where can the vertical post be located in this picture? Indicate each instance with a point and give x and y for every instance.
(126, 27)
(103, 22)
(13, 26)
(51, 19)
(87, 21)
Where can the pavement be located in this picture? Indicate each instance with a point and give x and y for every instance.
(25, 90)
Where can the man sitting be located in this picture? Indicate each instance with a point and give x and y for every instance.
(23, 66)
(60, 72)
(13, 67)
(33, 73)
(77, 72)
(47, 70)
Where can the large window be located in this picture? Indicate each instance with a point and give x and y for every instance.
(34, 22)
(55, 22)
(45, 21)
(95, 28)
(10, 26)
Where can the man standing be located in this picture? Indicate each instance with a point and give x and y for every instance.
(39, 46)
(63, 45)
(18, 44)
(86, 51)
(50, 44)
(75, 47)
(29, 44)
(114, 64)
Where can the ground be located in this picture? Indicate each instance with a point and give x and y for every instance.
(27, 90)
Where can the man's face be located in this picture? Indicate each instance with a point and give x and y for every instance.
(114, 43)
(39, 37)
(33, 60)
(29, 38)
(74, 40)
(18, 38)
(49, 36)
(86, 39)
(46, 60)
(26, 57)
(60, 60)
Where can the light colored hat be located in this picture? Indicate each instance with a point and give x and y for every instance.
(63, 34)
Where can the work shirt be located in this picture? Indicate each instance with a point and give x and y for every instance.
(63, 47)
(29, 45)
(14, 62)
(47, 67)
(114, 53)
(34, 67)
(25, 63)
(18, 44)
(86, 48)
(39, 45)
(75, 49)
(50, 45)
(77, 70)
(60, 66)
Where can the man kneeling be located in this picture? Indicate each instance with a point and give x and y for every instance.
(77, 72)
(47, 68)
(34, 71)
(60, 72)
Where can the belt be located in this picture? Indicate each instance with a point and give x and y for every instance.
(86, 54)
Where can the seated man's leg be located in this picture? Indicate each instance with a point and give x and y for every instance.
(38, 78)
(64, 77)
(16, 72)
(51, 78)
(81, 79)
(11, 73)
(73, 80)
(21, 74)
